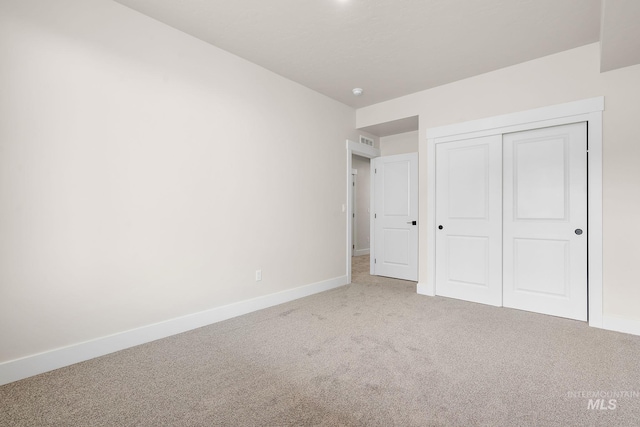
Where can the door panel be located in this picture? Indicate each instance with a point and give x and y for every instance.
(469, 210)
(529, 277)
(539, 178)
(396, 210)
(545, 202)
(395, 178)
(396, 246)
(467, 260)
(467, 177)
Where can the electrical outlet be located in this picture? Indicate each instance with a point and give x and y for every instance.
(258, 275)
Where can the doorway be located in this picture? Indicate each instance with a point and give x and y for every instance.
(392, 212)
(361, 205)
(367, 153)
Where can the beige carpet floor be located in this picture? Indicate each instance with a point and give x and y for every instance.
(373, 353)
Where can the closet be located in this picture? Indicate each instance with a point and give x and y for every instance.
(511, 223)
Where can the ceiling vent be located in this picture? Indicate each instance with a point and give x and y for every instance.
(366, 141)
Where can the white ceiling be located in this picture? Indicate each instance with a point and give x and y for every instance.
(390, 48)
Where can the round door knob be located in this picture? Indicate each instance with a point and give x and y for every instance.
(578, 231)
(440, 227)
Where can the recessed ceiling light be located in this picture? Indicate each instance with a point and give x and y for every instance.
(357, 91)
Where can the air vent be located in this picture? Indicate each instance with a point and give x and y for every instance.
(366, 141)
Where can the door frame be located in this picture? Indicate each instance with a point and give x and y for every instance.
(368, 152)
(588, 110)
(354, 220)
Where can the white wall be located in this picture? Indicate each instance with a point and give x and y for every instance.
(362, 205)
(401, 143)
(146, 175)
(564, 77)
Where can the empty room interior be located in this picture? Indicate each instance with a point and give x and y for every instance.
(337, 213)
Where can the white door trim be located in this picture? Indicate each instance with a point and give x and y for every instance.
(354, 220)
(589, 110)
(369, 153)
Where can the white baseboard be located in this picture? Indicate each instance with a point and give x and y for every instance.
(618, 324)
(425, 289)
(359, 252)
(28, 366)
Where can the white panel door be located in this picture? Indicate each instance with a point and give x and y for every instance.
(469, 220)
(396, 216)
(545, 221)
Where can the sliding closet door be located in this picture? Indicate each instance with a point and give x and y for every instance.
(545, 221)
(469, 220)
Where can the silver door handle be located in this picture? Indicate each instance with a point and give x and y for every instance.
(412, 222)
